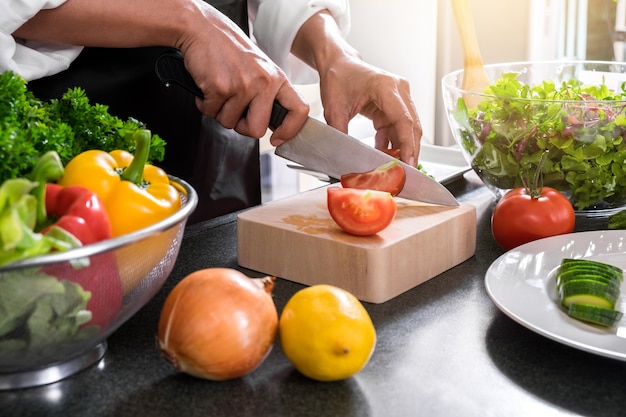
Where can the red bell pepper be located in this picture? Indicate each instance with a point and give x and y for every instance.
(101, 277)
(78, 211)
(75, 210)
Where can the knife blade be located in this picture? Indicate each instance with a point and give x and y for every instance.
(320, 147)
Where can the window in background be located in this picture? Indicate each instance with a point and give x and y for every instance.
(578, 29)
(601, 29)
(618, 34)
(558, 29)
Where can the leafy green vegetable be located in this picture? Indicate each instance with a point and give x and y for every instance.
(582, 135)
(41, 317)
(30, 127)
(19, 210)
(617, 220)
(17, 238)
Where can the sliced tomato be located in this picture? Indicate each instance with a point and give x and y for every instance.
(361, 212)
(389, 177)
(395, 152)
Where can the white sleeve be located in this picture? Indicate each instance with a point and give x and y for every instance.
(29, 59)
(275, 23)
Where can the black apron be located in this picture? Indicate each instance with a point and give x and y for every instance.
(222, 165)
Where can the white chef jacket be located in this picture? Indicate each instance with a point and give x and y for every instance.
(274, 24)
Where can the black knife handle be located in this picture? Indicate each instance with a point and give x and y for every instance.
(170, 68)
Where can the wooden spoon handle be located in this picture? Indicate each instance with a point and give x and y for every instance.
(475, 78)
(467, 32)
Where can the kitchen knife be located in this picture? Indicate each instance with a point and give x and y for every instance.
(320, 147)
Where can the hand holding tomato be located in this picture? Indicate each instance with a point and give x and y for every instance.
(524, 215)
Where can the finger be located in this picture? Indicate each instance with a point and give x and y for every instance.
(417, 128)
(407, 141)
(209, 108)
(297, 112)
(337, 117)
(399, 114)
(417, 125)
(405, 92)
(213, 98)
(233, 111)
(381, 138)
(255, 119)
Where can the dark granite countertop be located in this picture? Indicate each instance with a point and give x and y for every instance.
(443, 349)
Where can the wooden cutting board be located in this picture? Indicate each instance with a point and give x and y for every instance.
(296, 239)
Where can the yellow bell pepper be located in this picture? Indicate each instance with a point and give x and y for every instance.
(135, 194)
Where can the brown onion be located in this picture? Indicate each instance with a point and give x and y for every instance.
(218, 324)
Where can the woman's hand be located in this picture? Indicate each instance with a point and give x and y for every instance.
(349, 86)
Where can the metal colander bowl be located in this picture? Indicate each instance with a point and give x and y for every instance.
(47, 329)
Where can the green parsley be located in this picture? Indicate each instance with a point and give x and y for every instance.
(30, 127)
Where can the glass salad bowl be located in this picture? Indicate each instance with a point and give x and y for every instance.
(562, 122)
(57, 310)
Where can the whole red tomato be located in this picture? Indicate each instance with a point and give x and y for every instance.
(522, 216)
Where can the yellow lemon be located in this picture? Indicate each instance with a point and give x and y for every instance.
(326, 333)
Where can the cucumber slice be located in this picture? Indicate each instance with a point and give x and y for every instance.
(593, 314)
(588, 299)
(609, 269)
(583, 285)
(591, 268)
(576, 275)
(588, 292)
(570, 268)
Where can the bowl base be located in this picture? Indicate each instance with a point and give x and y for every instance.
(52, 373)
(599, 213)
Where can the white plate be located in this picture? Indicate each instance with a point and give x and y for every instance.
(521, 284)
(444, 163)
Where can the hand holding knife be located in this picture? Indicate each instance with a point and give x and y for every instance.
(320, 147)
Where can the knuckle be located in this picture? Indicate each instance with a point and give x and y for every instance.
(256, 132)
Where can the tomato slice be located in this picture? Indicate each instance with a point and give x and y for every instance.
(389, 177)
(361, 212)
(395, 152)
